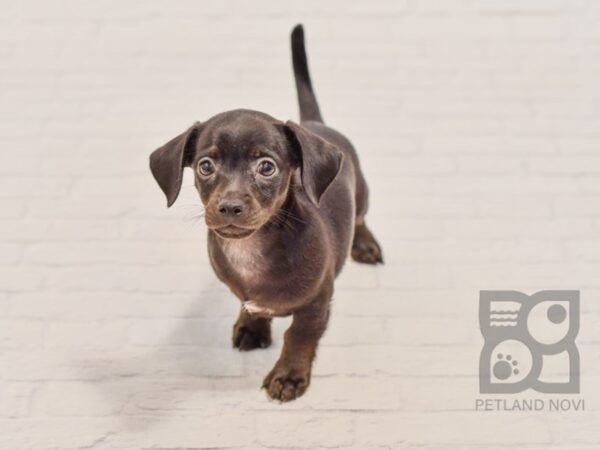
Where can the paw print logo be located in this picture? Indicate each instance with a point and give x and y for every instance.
(510, 362)
(505, 367)
(529, 341)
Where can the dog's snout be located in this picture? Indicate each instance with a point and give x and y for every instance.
(231, 207)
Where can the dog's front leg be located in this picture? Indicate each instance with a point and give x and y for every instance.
(250, 332)
(290, 376)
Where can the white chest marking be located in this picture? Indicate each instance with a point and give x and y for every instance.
(245, 256)
(253, 308)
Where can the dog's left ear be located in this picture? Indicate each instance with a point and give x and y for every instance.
(320, 160)
(167, 162)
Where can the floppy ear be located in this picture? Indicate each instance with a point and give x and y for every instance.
(320, 160)
(167, 162)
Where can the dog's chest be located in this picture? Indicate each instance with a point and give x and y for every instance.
(245, 258)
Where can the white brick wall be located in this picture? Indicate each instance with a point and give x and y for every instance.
(478, 124)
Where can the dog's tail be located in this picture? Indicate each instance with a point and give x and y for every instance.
(309, 108)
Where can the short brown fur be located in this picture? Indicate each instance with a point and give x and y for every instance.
(285, 204)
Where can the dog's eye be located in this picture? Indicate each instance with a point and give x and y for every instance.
(266, 167)
(206, 167)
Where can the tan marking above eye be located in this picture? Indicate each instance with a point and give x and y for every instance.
(213, 151)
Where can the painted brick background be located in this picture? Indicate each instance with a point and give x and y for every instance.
(478, 125)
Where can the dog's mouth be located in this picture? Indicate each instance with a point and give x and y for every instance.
(233, 232)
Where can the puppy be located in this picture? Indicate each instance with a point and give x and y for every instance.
(284, 204)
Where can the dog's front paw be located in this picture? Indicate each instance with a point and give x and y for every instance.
(365, 248)
(248, 336)
(286, 382)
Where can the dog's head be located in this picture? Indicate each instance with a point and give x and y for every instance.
(243, 163)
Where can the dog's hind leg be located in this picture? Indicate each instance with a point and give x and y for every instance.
(365, 248)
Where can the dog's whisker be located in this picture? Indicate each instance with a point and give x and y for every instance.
(281, 219)
(195, 206)
(290, 214)
(296, 218)
(285, 215)
(195, 217)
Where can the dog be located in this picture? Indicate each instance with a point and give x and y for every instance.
(285, 204)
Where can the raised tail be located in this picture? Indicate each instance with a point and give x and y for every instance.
(309, 108)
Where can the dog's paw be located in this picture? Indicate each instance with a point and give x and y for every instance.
(285, 383)
(248, 338)
(365, 248)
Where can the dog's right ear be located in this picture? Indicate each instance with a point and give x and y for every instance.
(167, 162)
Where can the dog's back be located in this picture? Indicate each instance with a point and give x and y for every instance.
(311, 118)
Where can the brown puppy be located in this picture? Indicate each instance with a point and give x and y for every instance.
(285, 204)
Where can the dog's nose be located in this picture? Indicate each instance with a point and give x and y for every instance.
(231, 207)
